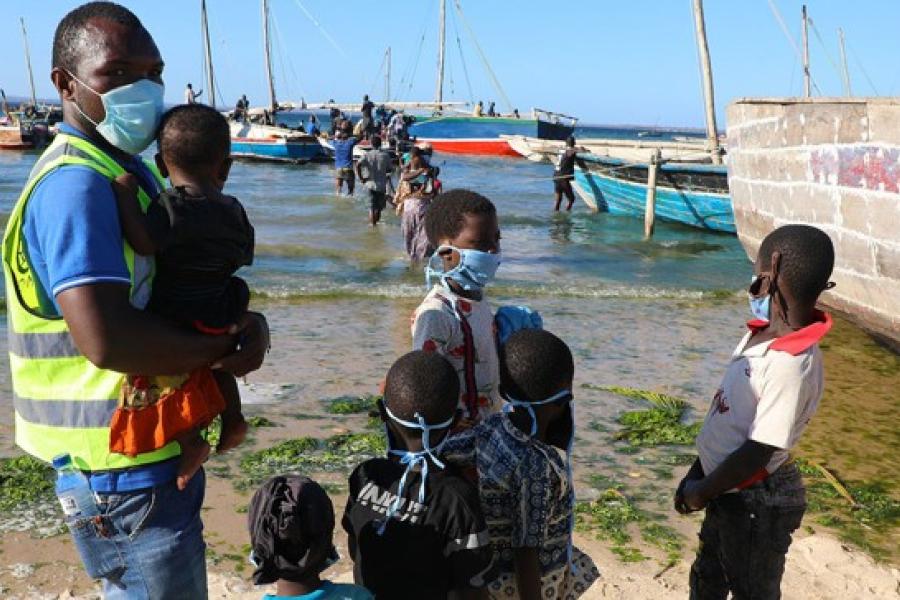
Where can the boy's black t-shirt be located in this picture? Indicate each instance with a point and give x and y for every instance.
(426, 550)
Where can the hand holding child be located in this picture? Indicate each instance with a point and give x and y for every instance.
(125, 185)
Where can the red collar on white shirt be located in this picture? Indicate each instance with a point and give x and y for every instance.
(799, 341)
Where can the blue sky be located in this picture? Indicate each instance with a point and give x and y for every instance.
(605, 61)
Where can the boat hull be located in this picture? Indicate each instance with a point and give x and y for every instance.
(538, 150)
(14, 137)
(476, 146)
(261, 142)
(830, 163)
(481, 135)
(694, 195)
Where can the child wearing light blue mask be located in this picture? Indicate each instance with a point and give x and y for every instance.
(524, 480)
(414, 525)
(455, 319)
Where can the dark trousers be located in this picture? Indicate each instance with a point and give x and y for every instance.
(745, 537)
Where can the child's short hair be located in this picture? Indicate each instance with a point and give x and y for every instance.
(807, 259)
(291, 522)
(194, 135)
(446, 215)
(534, 365)
(424, 383)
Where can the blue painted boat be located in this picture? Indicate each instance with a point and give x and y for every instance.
(688, 193)
(264, 142)
(463, 134)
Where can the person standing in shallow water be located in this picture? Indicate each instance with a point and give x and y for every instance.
(343, 159)
(81, 284)
(377, 166)
(565, 173)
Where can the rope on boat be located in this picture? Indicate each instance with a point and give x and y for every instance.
(487, 65)
(324, 33)
(861, 67)
(833, 62)
(462, 59)
(790, 38)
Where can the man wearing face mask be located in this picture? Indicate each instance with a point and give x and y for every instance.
(455, 319)
(75, 291)
(744, 478)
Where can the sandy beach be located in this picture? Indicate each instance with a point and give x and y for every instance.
(818, 568)
(319, 355)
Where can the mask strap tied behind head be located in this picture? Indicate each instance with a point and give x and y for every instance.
(511, 403)
(414, 459)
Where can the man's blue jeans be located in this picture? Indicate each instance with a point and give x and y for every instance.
(148, 544)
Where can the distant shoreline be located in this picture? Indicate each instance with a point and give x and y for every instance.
(660, 128)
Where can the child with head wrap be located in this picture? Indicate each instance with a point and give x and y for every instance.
(291, 525)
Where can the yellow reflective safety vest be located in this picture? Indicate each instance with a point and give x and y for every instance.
(63, 403)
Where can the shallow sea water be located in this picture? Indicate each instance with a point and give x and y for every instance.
(663, 314)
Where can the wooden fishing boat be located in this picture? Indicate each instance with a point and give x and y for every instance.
(456, 132)
(265, 142)
(252, 136)
(538, 150)
(463, 134)
(690, 194)
(831, 163)
(16, 137)
(686, 192)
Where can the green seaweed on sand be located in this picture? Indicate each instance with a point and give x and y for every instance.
(628, 555)
(24, 480)
(338, 453)
(257, 421)
(864, 514)
(214, 431)
(612, 517)
(348, 405)
(658, 425)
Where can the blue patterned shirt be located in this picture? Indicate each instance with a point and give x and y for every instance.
(525, 496)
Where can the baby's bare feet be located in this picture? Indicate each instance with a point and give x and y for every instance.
(234, 430)
(194, 452)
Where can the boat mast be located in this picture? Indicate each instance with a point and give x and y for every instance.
(439, 94)
(28, 62)
(387, 77)
(712, 133)
(267, 49)
(846, 71)
(806, 77)
(210, 78)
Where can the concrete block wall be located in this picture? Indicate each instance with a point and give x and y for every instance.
(835, 164)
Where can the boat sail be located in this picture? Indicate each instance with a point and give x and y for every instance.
(456, 132)
(687, 192)
(262, 139)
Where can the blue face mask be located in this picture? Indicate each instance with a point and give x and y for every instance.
(475, 270)
(133, 113)
(420, 459)
(761, 308)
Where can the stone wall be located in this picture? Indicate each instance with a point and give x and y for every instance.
(835, 164)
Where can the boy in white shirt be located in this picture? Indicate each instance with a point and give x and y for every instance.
(454, 319)
(753, 494)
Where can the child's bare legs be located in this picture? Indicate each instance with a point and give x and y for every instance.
(194, 452)
(234, 427)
